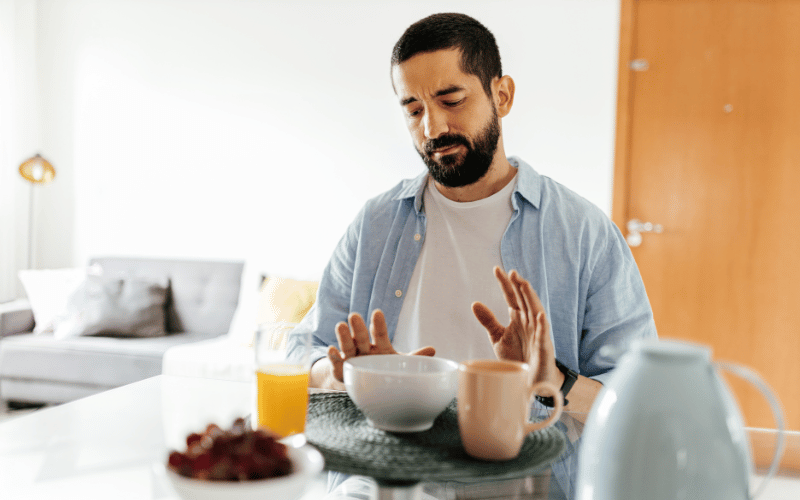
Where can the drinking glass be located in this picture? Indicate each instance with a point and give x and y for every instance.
(281, 383)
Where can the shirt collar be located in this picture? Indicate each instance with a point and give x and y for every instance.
(529, 185)
(413, 188)
(529, 182)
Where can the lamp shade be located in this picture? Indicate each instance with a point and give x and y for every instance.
(37, 170)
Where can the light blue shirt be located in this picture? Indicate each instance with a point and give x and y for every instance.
(575, 258)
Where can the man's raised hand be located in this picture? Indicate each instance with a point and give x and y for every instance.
(527, 336)
(355, 340)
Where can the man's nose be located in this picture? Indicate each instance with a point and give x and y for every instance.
(435, 123)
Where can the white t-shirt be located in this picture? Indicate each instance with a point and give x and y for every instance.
(461, 247)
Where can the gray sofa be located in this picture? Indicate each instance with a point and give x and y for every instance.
(38, 368)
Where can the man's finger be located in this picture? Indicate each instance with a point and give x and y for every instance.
(537, 310)
(516, 283)
(345, 340)
(532, 297)
(337, 363)
(538, 332)
(360, 333)
(533, 305)
(541, 319)
(488, 320)
(546, 324)
(507, 287)
(380, 333)
(424, 351)
(335, 356)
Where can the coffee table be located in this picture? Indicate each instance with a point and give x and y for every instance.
(105, 446)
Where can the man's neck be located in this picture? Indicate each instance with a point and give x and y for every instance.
(500, 173)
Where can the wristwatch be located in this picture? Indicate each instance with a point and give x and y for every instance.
(570, 376)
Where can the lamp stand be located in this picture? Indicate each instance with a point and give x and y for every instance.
(31, 225)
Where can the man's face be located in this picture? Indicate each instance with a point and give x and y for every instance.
(453, 123)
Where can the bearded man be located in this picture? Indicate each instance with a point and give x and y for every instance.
(480, 256)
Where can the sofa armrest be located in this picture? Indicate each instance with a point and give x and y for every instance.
(15, 317)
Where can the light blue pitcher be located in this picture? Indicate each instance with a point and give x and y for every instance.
(666, 427)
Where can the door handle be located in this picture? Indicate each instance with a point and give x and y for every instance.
(637, 227)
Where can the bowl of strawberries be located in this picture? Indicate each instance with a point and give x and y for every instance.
(241, 463)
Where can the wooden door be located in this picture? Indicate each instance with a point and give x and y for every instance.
(708, 145)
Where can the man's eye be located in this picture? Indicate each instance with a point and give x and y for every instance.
(453, 104)
(413, 112)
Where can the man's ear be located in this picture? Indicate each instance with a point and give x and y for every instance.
(503, 94)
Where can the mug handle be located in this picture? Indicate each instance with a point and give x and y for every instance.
(777, 413)
(550, 390)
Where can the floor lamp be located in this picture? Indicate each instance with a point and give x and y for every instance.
(35, 170)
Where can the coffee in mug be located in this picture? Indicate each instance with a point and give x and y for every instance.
(494, 399)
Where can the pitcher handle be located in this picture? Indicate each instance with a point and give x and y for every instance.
(777, 413)
(555, 393)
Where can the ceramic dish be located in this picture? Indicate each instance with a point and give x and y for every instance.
(307, 462)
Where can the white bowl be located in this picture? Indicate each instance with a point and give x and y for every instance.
(401, 393)
(307, 463)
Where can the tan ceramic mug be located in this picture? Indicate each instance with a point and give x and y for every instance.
(494, 399)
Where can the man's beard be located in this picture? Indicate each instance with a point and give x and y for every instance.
(457, 170)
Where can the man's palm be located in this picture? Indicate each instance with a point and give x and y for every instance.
(527, 336)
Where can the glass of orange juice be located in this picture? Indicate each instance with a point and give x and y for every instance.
(281, 383)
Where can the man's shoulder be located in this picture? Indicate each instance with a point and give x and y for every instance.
(553, 199)
(404, 191)
(546, 194)
(556, 196)
(566, 216)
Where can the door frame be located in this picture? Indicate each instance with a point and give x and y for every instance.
(622, 141)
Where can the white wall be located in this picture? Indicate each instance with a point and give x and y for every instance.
(235, 129)
(20, 135)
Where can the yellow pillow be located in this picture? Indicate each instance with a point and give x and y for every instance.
(284, 299)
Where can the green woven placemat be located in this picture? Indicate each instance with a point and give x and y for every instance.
(350, 445)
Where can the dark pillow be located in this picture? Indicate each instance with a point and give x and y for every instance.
(126, 307)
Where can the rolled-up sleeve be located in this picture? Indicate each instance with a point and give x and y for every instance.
(617, 308)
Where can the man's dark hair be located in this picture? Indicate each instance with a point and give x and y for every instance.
(479, 53)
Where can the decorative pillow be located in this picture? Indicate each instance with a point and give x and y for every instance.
(48, 292)
(284, 299)
(264, 299)
(125, 307)
(243, 323)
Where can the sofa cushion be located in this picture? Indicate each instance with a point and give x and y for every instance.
(99, 361)
(123, 307)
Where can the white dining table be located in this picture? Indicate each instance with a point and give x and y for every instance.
(111, 445)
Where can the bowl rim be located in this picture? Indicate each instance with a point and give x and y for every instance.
(452, 366)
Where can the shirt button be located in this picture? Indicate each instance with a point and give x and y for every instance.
(417, 237)
(398, 293)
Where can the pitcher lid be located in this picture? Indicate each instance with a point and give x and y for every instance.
(672, 350)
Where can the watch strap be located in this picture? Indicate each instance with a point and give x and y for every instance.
(570, 377)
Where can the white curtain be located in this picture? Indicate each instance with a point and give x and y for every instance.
(19, 135)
